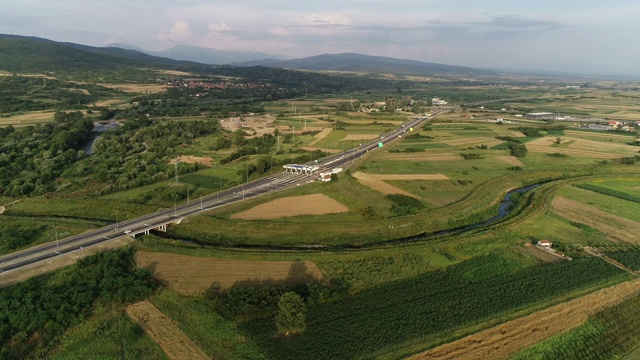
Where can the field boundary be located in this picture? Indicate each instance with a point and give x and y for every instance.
(505, 340)
(164, 332)
(321, 135)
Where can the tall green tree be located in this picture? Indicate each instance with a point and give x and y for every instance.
(292, 314)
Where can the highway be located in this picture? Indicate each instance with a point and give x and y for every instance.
(265, 185)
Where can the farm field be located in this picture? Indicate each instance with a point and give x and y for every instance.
(505, 340)
(293, 206)
(379, 185)
(164, 332)
(191, 275)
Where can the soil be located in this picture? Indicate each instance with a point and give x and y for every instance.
(191, 275)
(505, 340)
(410, 177)
(518, 134)
(204, 160)
(2, 210)
(315, 204)
(380, 185)
(260, 124)
(512, 160)
(164, 332)
(617, 228)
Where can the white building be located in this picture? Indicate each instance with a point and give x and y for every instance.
(438, 101)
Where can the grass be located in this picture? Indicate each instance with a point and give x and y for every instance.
(217, 337)
(619, 207)
(106, 335)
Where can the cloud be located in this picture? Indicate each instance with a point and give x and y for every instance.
(178, 33)
(279, 31)
(221, 27)
(113, 38)
(327, 19)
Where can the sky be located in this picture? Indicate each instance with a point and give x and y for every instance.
(564, 35)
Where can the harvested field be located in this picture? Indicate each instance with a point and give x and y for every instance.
(505, 340)
(152, 88)
(30, 117)
(582, 153)
(583, 144)
(424, 156)
(175, 72)
(357, 137)
(471, 141)
(511, 160)
(164, 332)
(321, 135)
(204, 160)
(605, 135)
(315, 204)
(192, 275)
(518, 134)
(330, 151)
(410, 177)
(616, 227)
(380, 185)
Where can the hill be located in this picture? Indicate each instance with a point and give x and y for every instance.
(369, 64)
(204, 55)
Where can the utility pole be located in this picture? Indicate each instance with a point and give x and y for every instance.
(175, 171)
(188, 200)
(55, 228)
(175, 207)
(116, 220)
(201, 201)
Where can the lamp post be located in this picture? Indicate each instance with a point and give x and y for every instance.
(116, 219)
(55, 228)
(175, 207)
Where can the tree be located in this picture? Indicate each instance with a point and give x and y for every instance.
(292, 314)
(518, 150)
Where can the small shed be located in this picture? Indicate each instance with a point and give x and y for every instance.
(545, 243)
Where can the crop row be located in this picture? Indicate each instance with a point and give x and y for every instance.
(419, 309)
(611, 192)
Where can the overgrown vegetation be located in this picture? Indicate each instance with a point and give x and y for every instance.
(35, 313)
(610, 192)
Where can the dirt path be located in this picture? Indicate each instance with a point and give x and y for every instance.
(380, 185)
(164, 332)
(616, 227)
(504, 340)
(321, 135)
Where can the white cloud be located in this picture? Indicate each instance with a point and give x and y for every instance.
(179, 32)
(221, 27)
(327, 19)
(279, 31)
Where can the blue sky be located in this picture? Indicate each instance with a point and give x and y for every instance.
(574, 35)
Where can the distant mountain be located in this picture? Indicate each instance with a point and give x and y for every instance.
(204, 55)
(369, 64)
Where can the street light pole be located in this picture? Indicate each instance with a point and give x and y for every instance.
(116, 220)
(175, 208)
(55, 228)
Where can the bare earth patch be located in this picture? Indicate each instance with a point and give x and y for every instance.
(204, 160)
(504, 340)
(381, 186)
(618, 228)
(410, 177)
(164, 332)
(321, 135)
(423, 157)
(192, 275)
(511, 160)
(518, 134)
(315, 204)
(260, 124)
(357, 137)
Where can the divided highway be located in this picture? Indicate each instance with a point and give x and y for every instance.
(249, 190)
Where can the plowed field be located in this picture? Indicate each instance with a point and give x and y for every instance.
(192, 275)
(315, 204)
